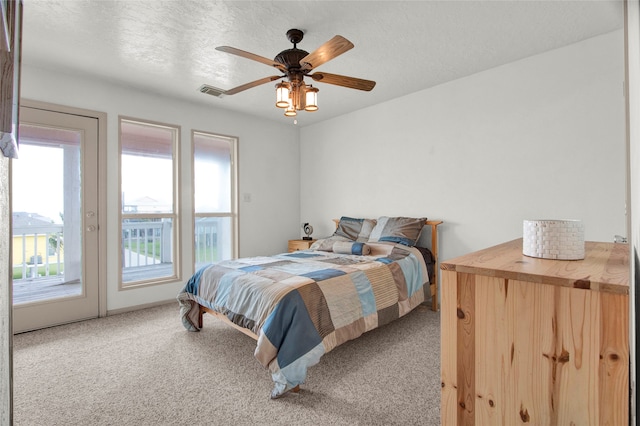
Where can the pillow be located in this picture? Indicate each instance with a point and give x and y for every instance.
(402, 230)
(350, 247)
(326, 244)
(355, 229)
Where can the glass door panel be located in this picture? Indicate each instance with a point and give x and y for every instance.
(54, 221)
(46, 224)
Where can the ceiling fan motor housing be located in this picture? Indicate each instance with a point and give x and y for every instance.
(290, 58)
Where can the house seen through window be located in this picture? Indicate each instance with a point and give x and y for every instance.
(148, 188)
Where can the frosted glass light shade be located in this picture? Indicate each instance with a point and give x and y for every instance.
(291, 110)
(282, 95)
(311, 99)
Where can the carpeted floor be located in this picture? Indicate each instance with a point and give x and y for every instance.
(144, 368)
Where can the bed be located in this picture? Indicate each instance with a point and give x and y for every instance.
(299, 306)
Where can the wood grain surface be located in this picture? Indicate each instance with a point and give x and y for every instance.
(540, 350)
(604, 268)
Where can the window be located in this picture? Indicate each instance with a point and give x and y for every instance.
(148, 188)
(215, 198)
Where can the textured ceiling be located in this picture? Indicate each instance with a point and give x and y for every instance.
(168, 47)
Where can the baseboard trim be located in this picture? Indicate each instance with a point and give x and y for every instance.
(139, 307)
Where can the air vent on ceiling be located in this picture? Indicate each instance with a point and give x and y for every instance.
(210, 90)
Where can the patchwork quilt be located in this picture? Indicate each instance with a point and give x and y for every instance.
(301, 305)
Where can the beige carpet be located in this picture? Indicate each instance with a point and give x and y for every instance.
(144, 368)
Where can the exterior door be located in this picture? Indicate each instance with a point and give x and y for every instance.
(54, 200)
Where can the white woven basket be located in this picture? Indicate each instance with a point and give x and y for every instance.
(553, 239)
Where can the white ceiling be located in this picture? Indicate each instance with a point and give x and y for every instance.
(168, 47)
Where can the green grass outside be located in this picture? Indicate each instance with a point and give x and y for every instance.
(202, 254)
(53, 271)
(206, 253)
(146, 249)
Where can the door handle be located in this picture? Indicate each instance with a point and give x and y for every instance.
(91, 228)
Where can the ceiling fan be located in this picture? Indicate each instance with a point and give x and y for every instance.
(294, 64)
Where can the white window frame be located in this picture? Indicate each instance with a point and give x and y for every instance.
(176, 255)
(233, 214)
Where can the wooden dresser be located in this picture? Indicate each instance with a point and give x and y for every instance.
(535, 341)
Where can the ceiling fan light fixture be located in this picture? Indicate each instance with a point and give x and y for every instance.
(282, 94)
(292, 94)
(311, 99)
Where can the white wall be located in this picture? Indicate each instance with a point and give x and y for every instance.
(540, 138)
(268, 167)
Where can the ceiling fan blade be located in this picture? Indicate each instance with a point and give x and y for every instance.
(252, 56)
(334, 47)
(252, 84)
(344, 81)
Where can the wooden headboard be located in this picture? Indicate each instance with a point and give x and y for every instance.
(434, 249)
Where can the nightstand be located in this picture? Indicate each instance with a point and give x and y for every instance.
(295, 245)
